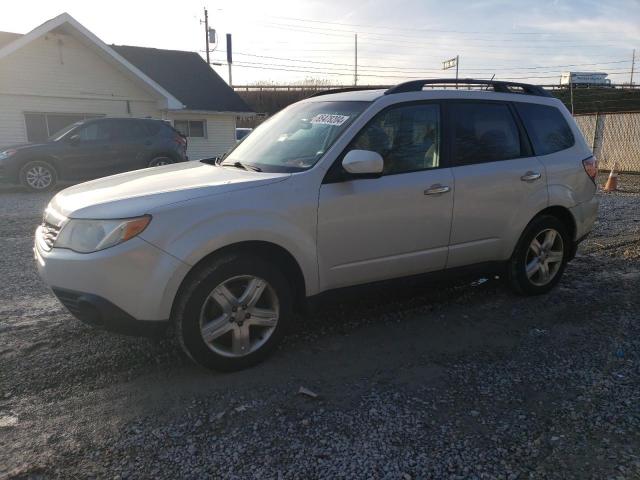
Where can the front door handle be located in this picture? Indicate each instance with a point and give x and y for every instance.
(530, 176)
(437, 189)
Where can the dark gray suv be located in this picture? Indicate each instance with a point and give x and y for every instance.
(92, 149)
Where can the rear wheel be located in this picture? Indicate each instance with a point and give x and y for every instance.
(38, 176)
(540, 257)
(160, 160)
(233, 312)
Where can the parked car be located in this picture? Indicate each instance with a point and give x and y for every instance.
(338, 190)
(242, 132)
(91, 149)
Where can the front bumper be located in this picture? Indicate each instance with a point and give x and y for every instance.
(100, 312)
(9, 170)
(135, 277)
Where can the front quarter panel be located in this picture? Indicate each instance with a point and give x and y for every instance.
(283, 213)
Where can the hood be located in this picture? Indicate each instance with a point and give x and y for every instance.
(136, 193)
(20, 146)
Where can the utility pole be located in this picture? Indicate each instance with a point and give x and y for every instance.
(457, 63)
(571, 92)
(355, 71)
(633, 64)
(206, 34)
(229, 58)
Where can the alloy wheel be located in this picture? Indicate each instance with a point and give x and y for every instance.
(544, 257)
(39, 177)
(239, 316)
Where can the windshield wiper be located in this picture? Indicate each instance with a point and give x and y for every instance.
(245, 166)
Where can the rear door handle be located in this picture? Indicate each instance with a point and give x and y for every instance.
(437, 189)
(530, 176)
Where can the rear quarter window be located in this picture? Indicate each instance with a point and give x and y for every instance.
(547, 128)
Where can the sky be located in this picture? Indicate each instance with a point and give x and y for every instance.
(290, 42)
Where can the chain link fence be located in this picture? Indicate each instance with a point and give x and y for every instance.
(614, 138)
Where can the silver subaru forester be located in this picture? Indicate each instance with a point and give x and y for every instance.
(338, 190)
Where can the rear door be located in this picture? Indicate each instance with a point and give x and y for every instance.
(500, 185)
(133, 144)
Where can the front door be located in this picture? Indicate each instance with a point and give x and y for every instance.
(92, 155)
(500, 185)
(373, 229)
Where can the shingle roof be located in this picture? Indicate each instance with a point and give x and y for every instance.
(186, 76)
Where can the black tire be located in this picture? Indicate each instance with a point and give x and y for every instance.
(517, 276)
(197, 289)
(38, 176)
(161, 160)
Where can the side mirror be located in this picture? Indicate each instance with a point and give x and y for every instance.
(74, 139)
(363, 163)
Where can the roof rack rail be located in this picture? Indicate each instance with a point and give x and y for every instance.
(498, 86)
(342, 90)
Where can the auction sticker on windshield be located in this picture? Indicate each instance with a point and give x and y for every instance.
(328, 119)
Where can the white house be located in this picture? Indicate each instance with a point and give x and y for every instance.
(60, 73)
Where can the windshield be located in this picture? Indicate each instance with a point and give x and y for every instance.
(296, 138)
(62, 132)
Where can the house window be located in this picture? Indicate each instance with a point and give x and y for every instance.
(41, 126)
(191, 128)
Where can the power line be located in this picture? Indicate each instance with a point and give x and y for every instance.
(329, 66)
(288, 68)
(463, 32)
(345, 35)
(426, 69)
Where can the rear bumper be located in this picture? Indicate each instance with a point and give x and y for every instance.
(585, 215)
(100, 312)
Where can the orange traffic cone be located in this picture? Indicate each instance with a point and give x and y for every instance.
(612, 181)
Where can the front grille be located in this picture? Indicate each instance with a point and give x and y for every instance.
(49, 234)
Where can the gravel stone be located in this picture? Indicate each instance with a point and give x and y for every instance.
(450, 380)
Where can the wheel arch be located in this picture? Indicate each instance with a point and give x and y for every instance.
(268, 250)
(564, 215)
(561, 213)
(51, 160)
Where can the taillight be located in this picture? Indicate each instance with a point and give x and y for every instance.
(591, 167)
(181, 140)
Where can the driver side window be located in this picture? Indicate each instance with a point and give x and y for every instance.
(98, 131)
(407, 138)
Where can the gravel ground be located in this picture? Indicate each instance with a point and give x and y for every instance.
(464, 380)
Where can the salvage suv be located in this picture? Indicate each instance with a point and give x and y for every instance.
(337, 190)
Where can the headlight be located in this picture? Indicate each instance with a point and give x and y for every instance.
(7, 153)
(86, 236)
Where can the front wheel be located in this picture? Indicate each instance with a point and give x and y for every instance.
(539, 260)
(233, 312)
(38, 176)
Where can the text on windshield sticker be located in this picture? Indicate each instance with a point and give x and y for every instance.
(328, 119)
